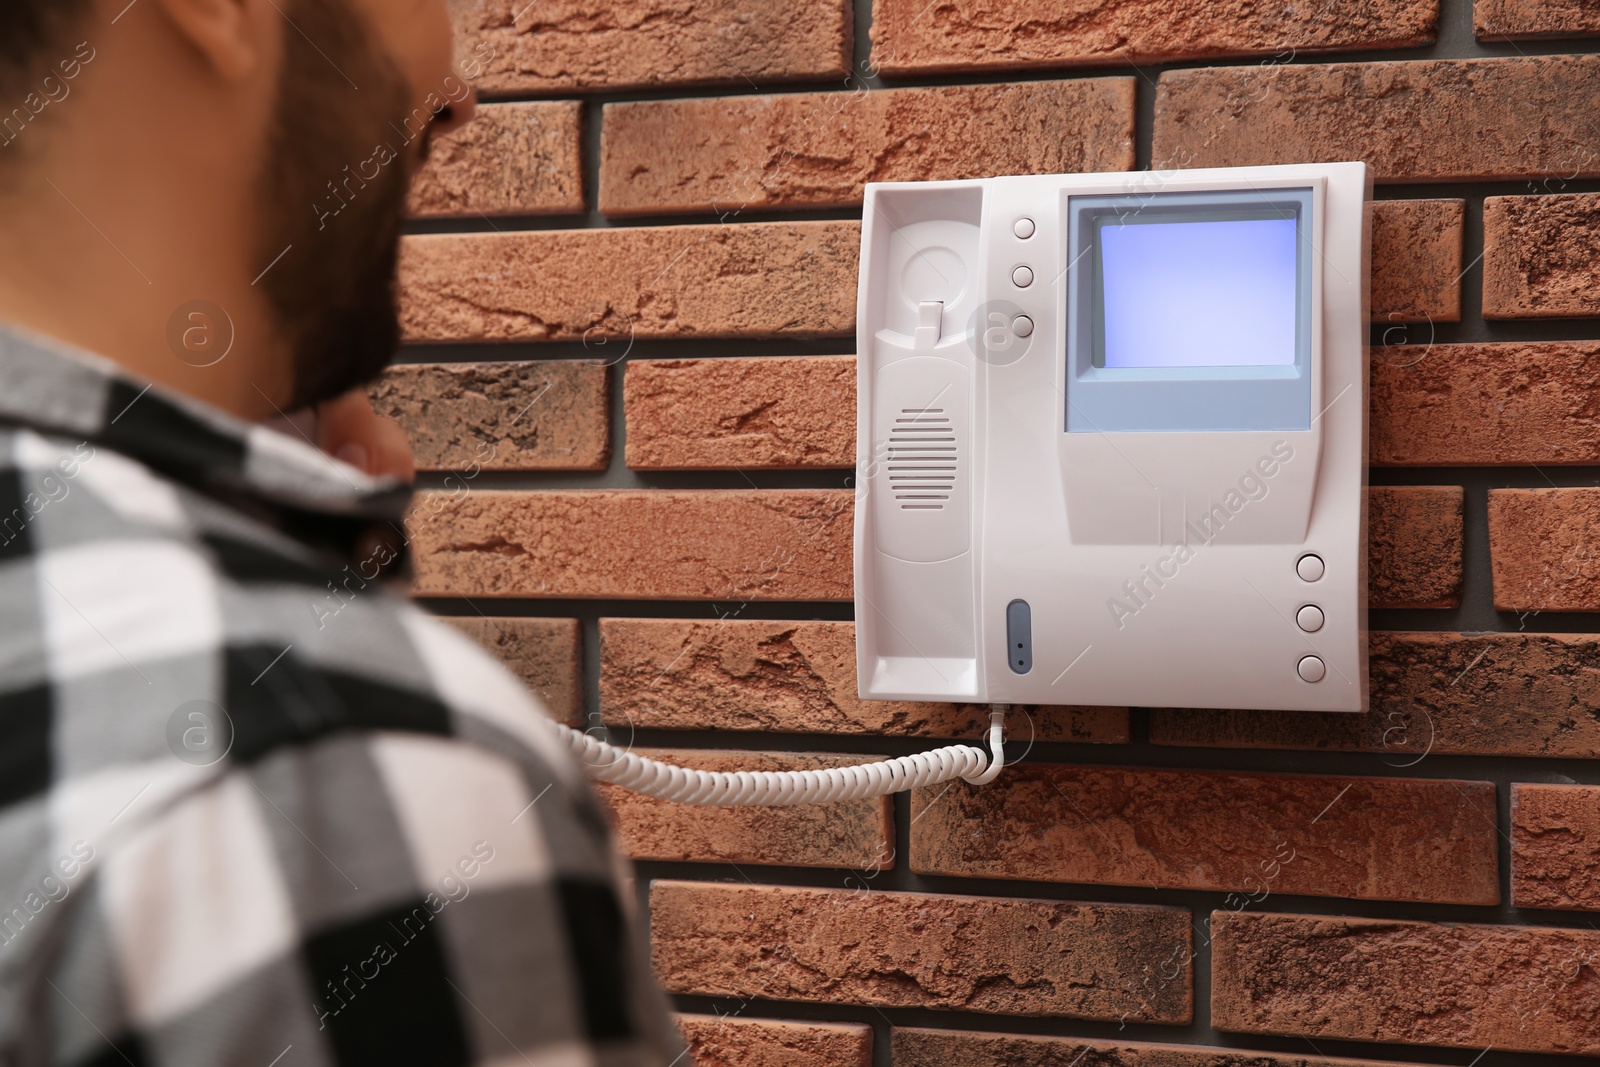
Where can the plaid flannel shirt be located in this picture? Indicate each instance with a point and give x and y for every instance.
(255, 811)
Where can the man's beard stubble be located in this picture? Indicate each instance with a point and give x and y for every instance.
(333, 293)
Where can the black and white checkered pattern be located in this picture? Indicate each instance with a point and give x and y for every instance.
(393, 863)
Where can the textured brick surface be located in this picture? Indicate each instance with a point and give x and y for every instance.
(965, 1048)
(535, 415)
(1505, 404)
(916, 36)
(1544, 549)
(775, 279)
(780, 544)
(1416, 260)
(789, 677)
(511, 159)
(1555, 846)
(855, 834)
(790, 279)
(741, 413)
(547, 654)
(1366, 838)
(1432, 406)
(1519, 988)
(1446, 694)
(732, 154)
(1541, 255)
(565, 45)
(1424, 120)
(1414, 546)
(1510, 20)
(732, 1041)
(735, 545)
(982, 954)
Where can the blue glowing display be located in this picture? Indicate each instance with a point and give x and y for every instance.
(1198, 293)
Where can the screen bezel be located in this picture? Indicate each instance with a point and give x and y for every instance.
(1182, 399)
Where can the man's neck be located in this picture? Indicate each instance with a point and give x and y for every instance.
(104, 282)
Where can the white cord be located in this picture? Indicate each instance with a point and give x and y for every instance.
(774, 788)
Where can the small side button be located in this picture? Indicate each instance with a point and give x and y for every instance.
(1311, 669)
(1309, 567)
(1022, 277)
(1019, 636)
(1309, 618)
(1023, 228)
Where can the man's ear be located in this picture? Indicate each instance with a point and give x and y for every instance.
(227, 34)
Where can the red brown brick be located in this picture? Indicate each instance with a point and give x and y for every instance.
(856, 834)
(918, 37)
(511, 159)
(748, 280)
(733, 545)
(732, 1041)
(1432, 406)
(1523, 20)
(790, 677)
(711, 414)
(1555, 846)
(534, 415)
(1518, 988)
(512, 46)
(1422, 120)
(1542, 549)
(1445, 694)
(733, 154)
(547, 654)
(913, 950)
(1540, 255)
(966, 1048)
(776, 279)
(1416, 260)
(1502, 404)
(1257, 834)
(780, 544)
(1414, 546)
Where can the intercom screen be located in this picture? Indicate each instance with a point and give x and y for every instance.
(1199, 289)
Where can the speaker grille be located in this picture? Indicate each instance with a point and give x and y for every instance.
(923, 459)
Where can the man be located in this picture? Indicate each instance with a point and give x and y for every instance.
(254, 810)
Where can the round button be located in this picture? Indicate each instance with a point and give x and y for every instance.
(1022, 326)
(1309, 618)
(1309, 568)
(1311, 669)
(1023, 228)
(1022, 277)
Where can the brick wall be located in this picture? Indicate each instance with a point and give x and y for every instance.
(629, 294)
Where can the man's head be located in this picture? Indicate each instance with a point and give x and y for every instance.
(230, 177)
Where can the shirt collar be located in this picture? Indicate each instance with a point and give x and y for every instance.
(55, 388)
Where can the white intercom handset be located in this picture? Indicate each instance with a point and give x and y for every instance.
(1112, 439)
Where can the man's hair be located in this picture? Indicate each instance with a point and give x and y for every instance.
(28, 29)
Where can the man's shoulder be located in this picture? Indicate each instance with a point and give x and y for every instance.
(117, 582)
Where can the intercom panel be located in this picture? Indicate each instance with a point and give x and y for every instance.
(1111, 439)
